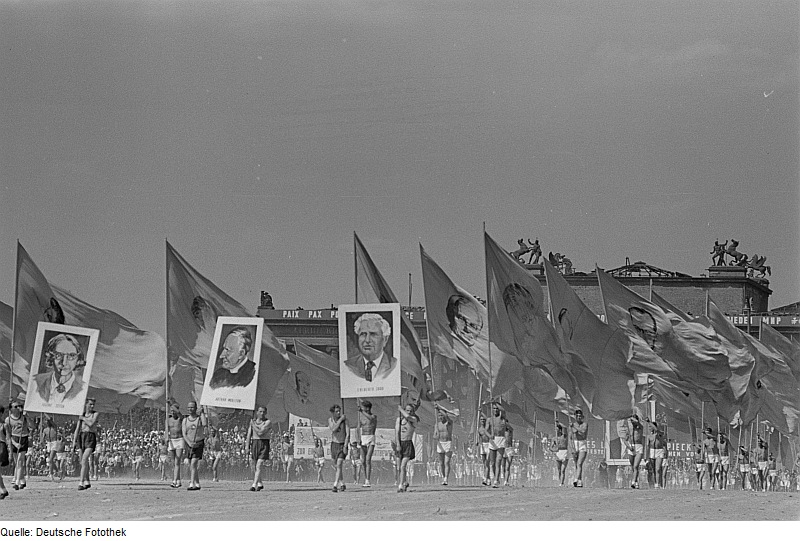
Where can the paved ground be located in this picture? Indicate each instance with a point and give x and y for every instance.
(150, 500)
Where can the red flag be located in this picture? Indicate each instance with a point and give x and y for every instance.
(458, 328)
(193, 305)
(371, 287)
(603, 348)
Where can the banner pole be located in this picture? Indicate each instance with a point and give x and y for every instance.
(355, 266)
(166, 330)
(488, 294)
(14, 328)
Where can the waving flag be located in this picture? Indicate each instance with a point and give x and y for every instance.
(193, 305)
(6, 324)
(518, 324)
(130, 363)
(663, 344)
(458, 328)
(310, 389)
(371, 287)
(603, 348)
(780, 379)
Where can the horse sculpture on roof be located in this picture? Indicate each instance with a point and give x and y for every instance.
(757, 265)
(739, 259)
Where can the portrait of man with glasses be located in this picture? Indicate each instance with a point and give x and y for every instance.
(62, 380)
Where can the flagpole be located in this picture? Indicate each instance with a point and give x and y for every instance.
(14, 328)
(166, 329)
(489, 330)
(355, 265)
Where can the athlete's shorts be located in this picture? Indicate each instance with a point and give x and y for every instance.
(638, 449)
(61, 455)
(725, 460)
(579, 446)
(762, 465)
(88, 441)
(699, 467)
(510, 452)
(287, 458)
(259, 450)
(407, 450)
(338, 450)
(22, 441)
(485, 448)
(744, 468)
(176, 444)
(773, 473)
(367, 440)
(497, 443)
(656, 453)
(444, 446)
(754, 469)
(196, 450)
(321, 461)
(561, 455)
(162, 459)
(217, 454)
(712, 459)
(51, 446)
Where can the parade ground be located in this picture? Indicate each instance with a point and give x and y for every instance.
(118, 500)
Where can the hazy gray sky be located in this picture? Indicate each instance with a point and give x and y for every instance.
(257, 136)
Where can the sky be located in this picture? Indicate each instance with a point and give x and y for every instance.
(258, 136)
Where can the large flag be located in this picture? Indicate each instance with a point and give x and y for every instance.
(664, 344)
(6, 325)
(518, 324)
(193, 305)
(725, 399)
(130, 363)
(371, 287)
(458, 329)
(780, 380)
(740, 358)
(310, 390)
(601, 347)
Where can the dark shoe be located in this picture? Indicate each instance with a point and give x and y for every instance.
(15, 487)
(88, 486)
(252, 489)
(82, 487)
(23, 485)
(260, 487)
(4, 495)
(334, 489)
(342, 488)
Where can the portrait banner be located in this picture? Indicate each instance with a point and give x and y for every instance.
(63, 357)
(232, 375)
(369, 342)
(305, 440)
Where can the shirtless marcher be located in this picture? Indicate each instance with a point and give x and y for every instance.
(215, 448)
(443, 434)
(724, 448)
(340, 442)
(163, 454)
(657, 444)
(404, 429)
(49, 440)
(497, 445)
(319, 459)
(744, 465)
(483, 443)
(195, 426)
(86, 439)
(175, 443)
(257, 445)
(18, 432)
(367, 424)
(559, 447)
(699, 465)
(287, 454)
(61, 457)
(635, 444)
(762, 454)
(772, 479)
(509, 455)
(711, 455)
(3, 443)
(138, 458)
(579, 431)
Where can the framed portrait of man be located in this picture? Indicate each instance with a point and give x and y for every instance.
(369, 350)
(232, 374)
(63, 356)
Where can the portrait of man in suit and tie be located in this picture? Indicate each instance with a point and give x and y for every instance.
(371, 367)
(62, 380)
(232, 374)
